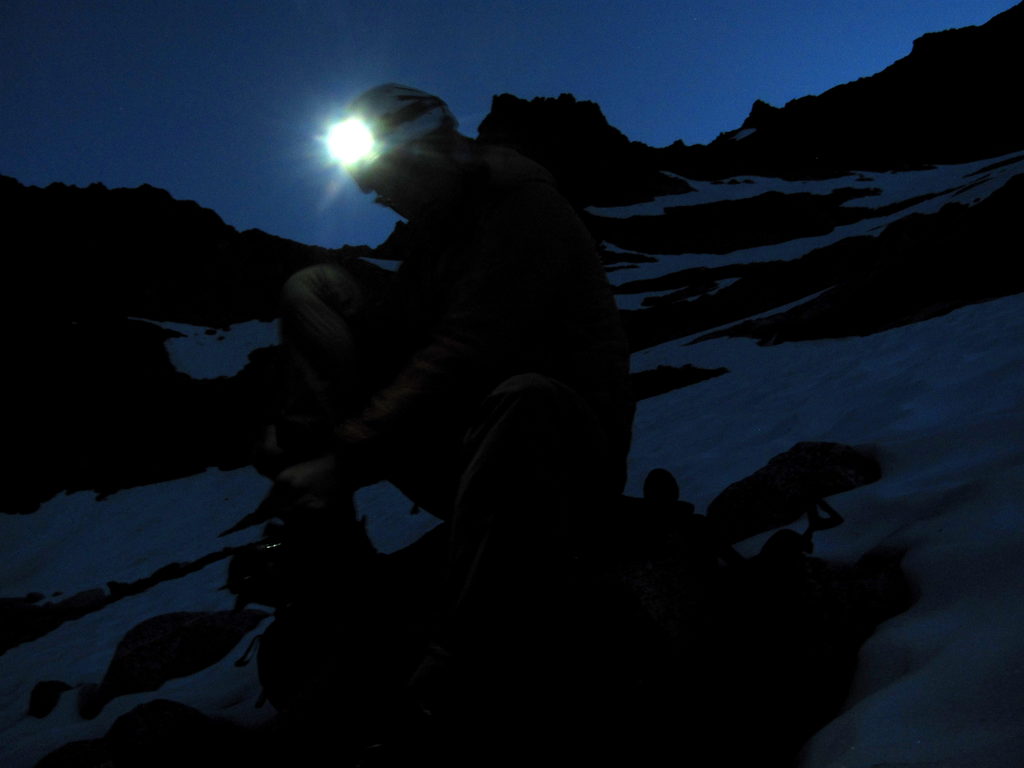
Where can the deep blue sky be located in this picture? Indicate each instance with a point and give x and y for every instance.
(223, 101)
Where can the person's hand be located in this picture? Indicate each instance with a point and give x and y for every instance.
(312, 485)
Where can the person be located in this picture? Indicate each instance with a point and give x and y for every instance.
(487, 377)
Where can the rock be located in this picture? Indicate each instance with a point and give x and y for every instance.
(788, 487)
(86, 601)
(45, 696)
(787, 630)
(661, 487)
(93, 753)
(667, 378)
(91, 700)
(24, 619)
(566, 136)
(164, 647)
(163, 732)
(784, 546)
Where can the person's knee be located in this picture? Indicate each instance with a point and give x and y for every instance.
(302, 285)
(327, 284)
(534, 389)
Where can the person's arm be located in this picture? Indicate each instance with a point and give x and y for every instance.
(506, 295)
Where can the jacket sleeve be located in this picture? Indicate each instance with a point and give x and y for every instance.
(505, 292)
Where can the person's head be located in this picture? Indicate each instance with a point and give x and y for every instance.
(404, 145)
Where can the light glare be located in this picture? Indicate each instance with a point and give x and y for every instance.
(349, 141)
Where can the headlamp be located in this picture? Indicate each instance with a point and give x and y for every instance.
(350, 142)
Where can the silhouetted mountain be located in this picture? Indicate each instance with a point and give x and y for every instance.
(594, 163)
(950, 100)
(139, 252)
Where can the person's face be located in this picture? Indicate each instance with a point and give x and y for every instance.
(410, 180)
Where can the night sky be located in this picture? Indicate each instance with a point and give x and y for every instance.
(225, 102)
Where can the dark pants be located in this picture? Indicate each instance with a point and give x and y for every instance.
(516, 481)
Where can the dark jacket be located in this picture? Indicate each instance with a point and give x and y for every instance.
(505, 282)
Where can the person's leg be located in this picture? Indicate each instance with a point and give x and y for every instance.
(325, 331)
(536, 465)
(322, 359)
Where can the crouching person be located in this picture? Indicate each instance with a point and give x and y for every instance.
(486, 378)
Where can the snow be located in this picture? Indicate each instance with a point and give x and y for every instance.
(208, 353)
(938, 402)
(894, 187)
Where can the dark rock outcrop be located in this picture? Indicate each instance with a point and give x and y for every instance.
(666, 378)
(27, 618)
(946, 102)
(91, 753)
(594, 163)
(781, 647)
(164, 647)
(788, 487)
(163, 734)
(45, 696)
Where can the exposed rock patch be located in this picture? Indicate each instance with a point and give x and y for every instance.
(25, 619)
(788, 487)
(164, 647)
(666, 378)
(163, 734)
(594, 163)
(45, 696)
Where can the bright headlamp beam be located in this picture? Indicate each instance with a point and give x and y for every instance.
(349, 141)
